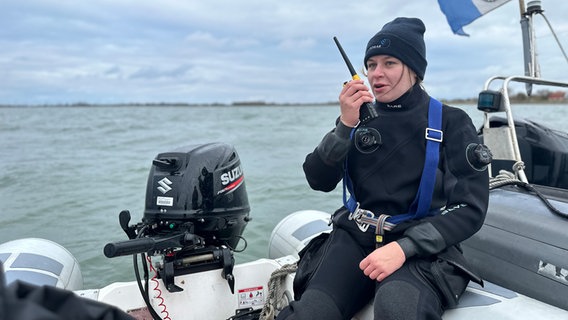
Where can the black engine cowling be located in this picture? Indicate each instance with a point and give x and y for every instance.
(200, 185)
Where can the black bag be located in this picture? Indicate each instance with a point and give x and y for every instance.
(21, 300)
(451, 275)
(310, 258)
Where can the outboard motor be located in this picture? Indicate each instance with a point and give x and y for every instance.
(196, 211)
(201, 187)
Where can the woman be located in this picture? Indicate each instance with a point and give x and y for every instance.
(414, 268)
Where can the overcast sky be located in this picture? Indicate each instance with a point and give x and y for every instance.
(197, 51)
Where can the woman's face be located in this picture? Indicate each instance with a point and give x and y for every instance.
(389, 77)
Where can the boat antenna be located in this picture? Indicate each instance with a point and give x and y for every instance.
(532, 68)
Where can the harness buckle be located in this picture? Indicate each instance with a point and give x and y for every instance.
(357, 216)
(365, 219)
(434, 135)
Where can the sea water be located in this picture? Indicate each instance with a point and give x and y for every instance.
(67, 172)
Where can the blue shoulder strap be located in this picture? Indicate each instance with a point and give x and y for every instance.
(420, 207)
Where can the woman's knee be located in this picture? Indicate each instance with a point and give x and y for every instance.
(396, 300)
(314, 304)
(402, 300)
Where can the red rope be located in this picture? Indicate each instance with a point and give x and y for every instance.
(159, 292)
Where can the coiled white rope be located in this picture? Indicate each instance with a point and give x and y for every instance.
(273, 302)
(505, 177)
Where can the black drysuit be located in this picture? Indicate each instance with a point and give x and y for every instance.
(386, 182)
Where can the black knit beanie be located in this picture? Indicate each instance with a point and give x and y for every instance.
(402, 38)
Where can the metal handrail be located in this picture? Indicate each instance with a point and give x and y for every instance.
(506, 103)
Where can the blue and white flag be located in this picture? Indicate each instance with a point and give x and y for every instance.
(462, 12)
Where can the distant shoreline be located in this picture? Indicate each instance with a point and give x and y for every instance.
(534, 99)
(166, 104)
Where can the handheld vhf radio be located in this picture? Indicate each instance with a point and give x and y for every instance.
(367, 111)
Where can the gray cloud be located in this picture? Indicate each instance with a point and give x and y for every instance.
(222, 51)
